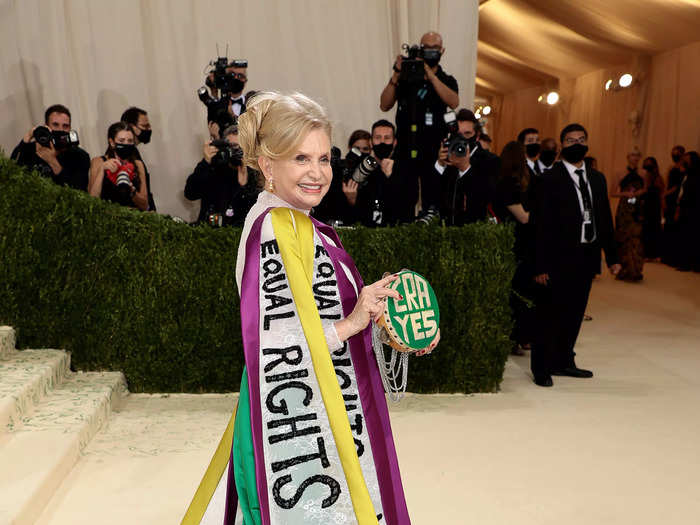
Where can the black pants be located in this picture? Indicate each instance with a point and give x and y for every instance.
(561, 306)
(524, 290)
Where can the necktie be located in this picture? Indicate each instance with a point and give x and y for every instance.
(588, 227)
(537, 168)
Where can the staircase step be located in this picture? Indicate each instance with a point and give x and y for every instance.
(26, 377)
(7, 341)
(37, 456)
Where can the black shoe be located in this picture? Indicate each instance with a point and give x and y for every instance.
(544, 381)
(572, 371)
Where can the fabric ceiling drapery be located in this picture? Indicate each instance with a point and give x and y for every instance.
(528, 47)
(99, 57)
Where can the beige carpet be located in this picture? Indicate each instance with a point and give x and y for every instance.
(621, 448)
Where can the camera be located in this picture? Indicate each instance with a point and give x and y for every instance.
(123, 177)
(227, 83)
(60, 139)
(412, 68)
(228, 154)
(359, 166)
(456, 143)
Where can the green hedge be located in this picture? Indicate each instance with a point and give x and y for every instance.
(156, 299)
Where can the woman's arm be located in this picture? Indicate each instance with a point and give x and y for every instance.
(519, 213)
(97, 176)
(140, 198)
(619, 193)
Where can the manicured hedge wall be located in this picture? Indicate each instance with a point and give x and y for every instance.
(156, 299)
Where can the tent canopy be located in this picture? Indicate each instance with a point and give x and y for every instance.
(527, 43)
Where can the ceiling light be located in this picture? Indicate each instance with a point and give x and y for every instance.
(552, 98)
(477, 115)
(540, 98)
(608, 84)
(487, 110)
(625, 80)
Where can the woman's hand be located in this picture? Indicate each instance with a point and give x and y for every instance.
(111, 165)
(370, 306)
(432, 346)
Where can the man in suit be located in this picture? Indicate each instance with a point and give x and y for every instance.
(573, 223)
(530, 138)
(466, 193)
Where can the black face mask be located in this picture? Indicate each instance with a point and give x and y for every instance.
(547, 156)
(533, 149)
(145, 136)
(124, 151)
(382, 150)
(574, 153)
(236, 85)
(432, 57)
(676, 157)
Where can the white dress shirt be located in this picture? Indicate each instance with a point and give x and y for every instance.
(543, 168)
(574, 177)
(237, 107)
(441, 169)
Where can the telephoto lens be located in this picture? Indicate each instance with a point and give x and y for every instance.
(364, 169)
(42, 135)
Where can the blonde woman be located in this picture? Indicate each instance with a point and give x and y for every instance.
(310, 441)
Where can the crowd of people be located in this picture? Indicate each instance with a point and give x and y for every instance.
(433, 164)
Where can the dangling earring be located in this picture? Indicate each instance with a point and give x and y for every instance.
(270, 186)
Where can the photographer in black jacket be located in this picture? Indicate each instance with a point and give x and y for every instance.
(389, 193)
(424, 92)
(226, 188)
(53, 151)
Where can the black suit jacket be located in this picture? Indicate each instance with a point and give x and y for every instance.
(465, 199)
(558, 223)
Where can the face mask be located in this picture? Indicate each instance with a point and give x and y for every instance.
(574, 153)
(676, 157)
(236, 84)
(533, 149)
(432, 57)
(382, 150)
(547, 156)
(124, 151)
(145, 136)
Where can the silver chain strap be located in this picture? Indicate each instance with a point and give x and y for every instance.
(395, 372)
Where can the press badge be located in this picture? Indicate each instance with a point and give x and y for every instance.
(587, 216)
(428, 119)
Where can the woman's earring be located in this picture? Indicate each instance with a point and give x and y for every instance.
(270, 186)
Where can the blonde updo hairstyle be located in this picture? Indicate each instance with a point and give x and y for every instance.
(274, 125)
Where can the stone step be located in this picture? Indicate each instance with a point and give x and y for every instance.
(40, 453)
(7, 341)
(26, 377)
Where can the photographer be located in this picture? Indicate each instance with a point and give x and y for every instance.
(387, 192)
(137, 119)
(423, 95)
(466, 190)
(231, 83)
(118, 176)
(53, 150)
(340, 204)
(227, 189)
(487, 162)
